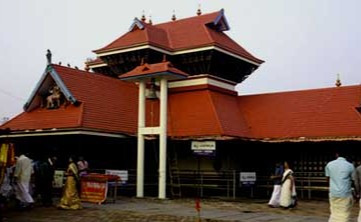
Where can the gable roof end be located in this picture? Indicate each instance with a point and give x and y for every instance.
(59, 82)
(221, 22)
(136, 23)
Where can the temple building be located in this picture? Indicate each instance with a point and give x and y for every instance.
(157, 89)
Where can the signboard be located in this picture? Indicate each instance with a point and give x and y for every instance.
(204, 148)
(58, 178)
(94, 191)
(122, 174)
(247, 178)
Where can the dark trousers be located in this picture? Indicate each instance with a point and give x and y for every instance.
(46, 192)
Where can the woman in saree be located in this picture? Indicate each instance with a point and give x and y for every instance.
(288, 189)
(70, 199)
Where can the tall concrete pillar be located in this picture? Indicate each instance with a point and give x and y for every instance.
(163, 139)
(140, 143)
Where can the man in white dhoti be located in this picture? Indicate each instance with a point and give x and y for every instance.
(22, 175)
(276, 194)
(356, 176)
(339, 173)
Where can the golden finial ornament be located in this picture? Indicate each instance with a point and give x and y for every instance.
(143, 16)
(338, 81)
(173, 16)
(199, 12)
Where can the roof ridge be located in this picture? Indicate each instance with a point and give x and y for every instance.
(81, 115)
(221, 130)
(170, 42)
(97, 74)
(146, 29)
(206, 28)
(303, 90)
(187, 18)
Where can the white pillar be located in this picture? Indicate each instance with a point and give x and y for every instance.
(163, 139)
(140, 144)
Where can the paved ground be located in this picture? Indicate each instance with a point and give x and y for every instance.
(152, 210)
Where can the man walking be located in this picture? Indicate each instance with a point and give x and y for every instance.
(276, 194)
(23, 171)
(339, 174)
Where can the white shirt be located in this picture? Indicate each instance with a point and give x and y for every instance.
(23, 169)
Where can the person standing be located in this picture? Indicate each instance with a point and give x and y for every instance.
(276, 194)
(70, 199)
(356, 176)
(83, 166)
(288, 188)
(22, 176)
(339, 174)
(46, 177)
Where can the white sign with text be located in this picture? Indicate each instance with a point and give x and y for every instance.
(248, 177)
(203, 145)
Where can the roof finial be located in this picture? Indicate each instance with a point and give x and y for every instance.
(142, 61)
(338, 81)
(164, 58)
(150, 20)
(173, 16)
(199, 12)
(48, 56)
(68, 65)
(143, 16)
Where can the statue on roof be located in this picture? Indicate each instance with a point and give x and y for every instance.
(53, 100)
(48, 56)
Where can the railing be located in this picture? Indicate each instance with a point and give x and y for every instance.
(219, 182)
(225, 183)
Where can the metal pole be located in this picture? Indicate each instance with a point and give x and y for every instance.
(234, 184)
(163, 139)
(140, 143)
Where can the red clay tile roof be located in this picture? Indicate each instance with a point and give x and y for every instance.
(110, 105)
(205, 113)
(317, 113)
(153, 69)
(100, 99)
(188, 33)
(94, 62)
(64, 117)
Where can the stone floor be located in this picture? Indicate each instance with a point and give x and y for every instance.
(132, 209)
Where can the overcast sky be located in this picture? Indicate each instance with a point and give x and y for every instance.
(305, 43)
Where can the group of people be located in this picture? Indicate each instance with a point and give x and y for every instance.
(28, 179)
(344, 187)
(284, 189)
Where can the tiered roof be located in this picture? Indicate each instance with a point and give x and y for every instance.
(184, 34)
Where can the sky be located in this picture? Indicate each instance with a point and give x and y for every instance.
(305, 43)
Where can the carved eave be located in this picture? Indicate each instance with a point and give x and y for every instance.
(43, 84)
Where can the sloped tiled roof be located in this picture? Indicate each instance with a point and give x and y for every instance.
(64, 117)
(152, 69)
(205, 113)
(110, 105)
(100, 98)
(188, 33)
(317, 113)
